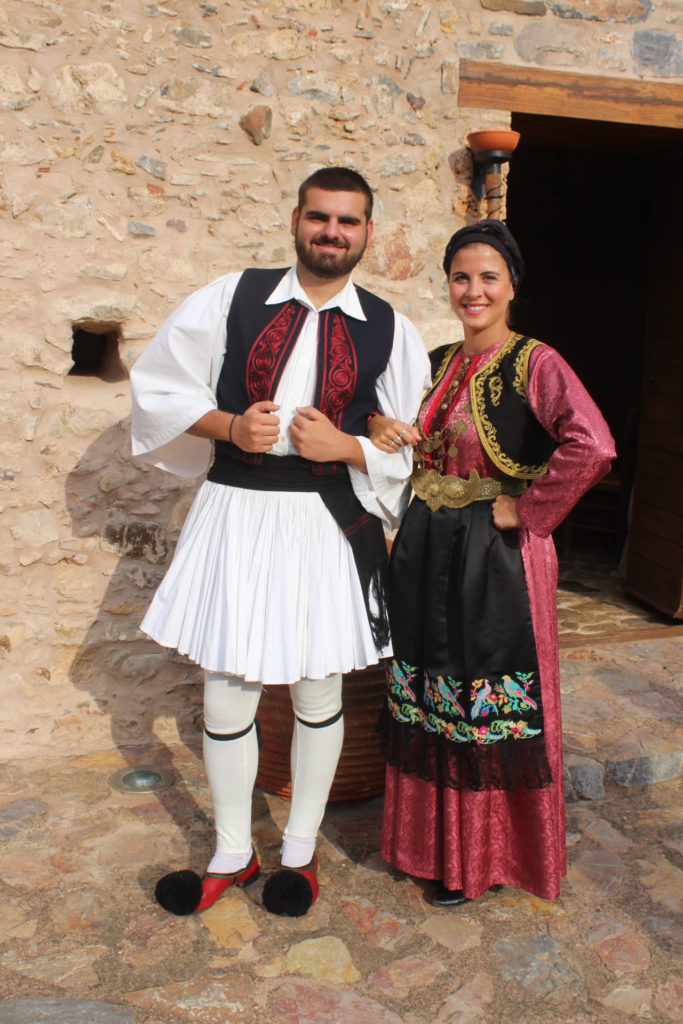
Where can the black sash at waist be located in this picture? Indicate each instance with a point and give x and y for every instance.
(277, 473)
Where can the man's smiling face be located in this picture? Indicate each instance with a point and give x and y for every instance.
(331, 232)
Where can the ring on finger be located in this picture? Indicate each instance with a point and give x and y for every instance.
(403, 433)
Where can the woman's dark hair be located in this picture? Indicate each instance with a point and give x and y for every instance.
(337, 179)
(495, 234)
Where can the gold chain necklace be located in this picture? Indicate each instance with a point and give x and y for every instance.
(440, 444)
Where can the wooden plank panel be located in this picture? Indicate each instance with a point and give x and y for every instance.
(664, 466)
(662, 379)
(661, 589)
(655, 436)
(561, 94)
(658, 492)
(665, 348)
(657, 550)
(662, 407)
(662, 523)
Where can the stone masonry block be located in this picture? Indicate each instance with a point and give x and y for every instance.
(657, 53)
(47, 1011)
(586, 778)
(553, 45)
(257, 123)
(643, 771)
(603, 10)
(535, 8)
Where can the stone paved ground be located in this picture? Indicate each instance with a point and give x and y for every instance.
(81, 938)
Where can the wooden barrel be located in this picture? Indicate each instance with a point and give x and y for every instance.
(360, 772)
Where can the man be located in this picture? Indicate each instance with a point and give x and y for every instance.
(278, 573)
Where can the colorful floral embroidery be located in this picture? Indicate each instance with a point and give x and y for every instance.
(484, 700)
(440, 696)
(399, 679)
(504, 697)
(441, 708)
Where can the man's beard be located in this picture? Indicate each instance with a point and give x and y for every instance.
(324, 264)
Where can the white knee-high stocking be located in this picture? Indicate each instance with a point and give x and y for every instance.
(316, 746)
(231, 761)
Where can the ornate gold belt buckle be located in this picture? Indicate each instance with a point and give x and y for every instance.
(454, 491)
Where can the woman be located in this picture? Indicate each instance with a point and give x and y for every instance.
(507, 440)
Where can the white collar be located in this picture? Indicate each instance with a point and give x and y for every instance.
(289, 288)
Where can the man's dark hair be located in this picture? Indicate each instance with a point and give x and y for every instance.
(337, 179)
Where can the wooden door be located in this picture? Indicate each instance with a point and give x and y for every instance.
(655, 546)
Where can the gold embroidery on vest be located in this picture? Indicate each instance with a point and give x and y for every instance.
(521, 378)
(496, 388)
(485, 429)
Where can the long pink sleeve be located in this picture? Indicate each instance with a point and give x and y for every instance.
(560, 402)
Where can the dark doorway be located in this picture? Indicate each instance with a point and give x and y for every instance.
(583, 216)
(583, 201)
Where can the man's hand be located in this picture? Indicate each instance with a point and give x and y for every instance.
(316, 438)
(257, 429)
(504, 511)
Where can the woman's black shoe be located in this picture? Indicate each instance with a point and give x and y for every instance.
(443, 897)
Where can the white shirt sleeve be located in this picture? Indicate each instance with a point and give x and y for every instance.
(383, 490)
(173, 383)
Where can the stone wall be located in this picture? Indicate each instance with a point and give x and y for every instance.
(146, 149)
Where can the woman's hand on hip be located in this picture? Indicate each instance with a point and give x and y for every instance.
(504, 512)
(391, 435)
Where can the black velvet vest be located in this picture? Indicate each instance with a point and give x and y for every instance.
(511, 435)
(351, 355)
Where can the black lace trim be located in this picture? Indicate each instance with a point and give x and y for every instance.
(432, 758)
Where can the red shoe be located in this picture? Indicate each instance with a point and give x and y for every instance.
(184, 892)
(291, 892)
(214, 886)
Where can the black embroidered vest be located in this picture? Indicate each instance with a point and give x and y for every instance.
(511, 435)
(351, 355)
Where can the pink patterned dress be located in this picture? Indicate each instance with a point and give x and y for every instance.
(475, 807)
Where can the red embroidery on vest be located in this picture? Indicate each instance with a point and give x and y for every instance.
(340, 370)
(270, 352)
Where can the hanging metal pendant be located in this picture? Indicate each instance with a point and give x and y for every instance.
(432, 444)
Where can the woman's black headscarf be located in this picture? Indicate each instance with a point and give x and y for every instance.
(495, 234)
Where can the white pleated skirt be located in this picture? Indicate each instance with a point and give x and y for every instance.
(263, 585)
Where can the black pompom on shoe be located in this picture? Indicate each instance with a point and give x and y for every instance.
(291, 892)
(180, 892)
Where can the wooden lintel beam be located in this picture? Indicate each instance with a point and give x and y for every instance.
(529, 90)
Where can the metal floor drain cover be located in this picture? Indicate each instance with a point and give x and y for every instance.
(143, 779)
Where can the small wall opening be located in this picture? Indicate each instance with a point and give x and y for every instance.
(95, 351)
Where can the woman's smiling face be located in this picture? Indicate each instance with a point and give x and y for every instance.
(480, 287)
